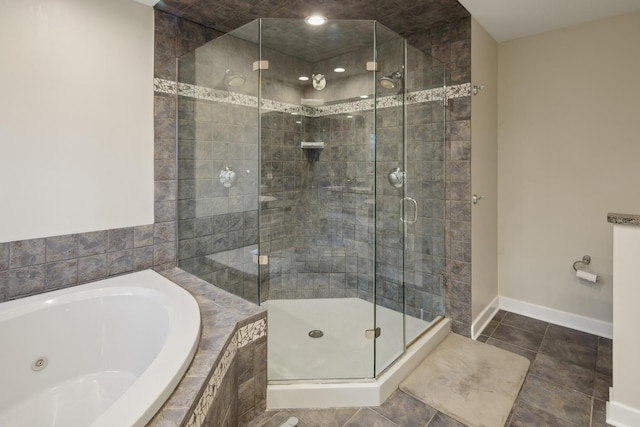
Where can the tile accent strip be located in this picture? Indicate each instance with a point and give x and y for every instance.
(243, 336)
(208, 94)
(251, 332)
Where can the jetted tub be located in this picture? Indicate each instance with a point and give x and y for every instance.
(104, 354)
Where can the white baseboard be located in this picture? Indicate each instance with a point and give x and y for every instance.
(484, 318)
(621, 415)
(562, 318)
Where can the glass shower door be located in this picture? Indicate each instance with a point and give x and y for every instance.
(317, 198)
(311, 181)
(391, 201)
(218, 165)
(424, 227)
(410, 195)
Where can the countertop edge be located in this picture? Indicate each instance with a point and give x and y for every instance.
(623, 219)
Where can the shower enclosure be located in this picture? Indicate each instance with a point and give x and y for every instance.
(311, 181)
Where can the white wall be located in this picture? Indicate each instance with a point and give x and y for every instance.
(76, 116)
(484, 165)
(568, 153)
(624, 402)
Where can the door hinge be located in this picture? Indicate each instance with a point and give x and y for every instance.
(443, 280)
(261, 259)
(261, 65)
(372, 333)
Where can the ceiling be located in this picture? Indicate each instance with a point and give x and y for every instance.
(503, 19)
(403, 16)
(512, 19)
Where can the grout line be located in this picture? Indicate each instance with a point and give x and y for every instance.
(531, 404)
(431, 419)
(515, 345)
(354, 414)
(378, 413)
(562, 385)
(272, 417)
(525, 330)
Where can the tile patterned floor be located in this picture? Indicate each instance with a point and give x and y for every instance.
(567, 384)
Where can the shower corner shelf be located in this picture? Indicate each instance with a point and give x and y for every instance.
(312, 150)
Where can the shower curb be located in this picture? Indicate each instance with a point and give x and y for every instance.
(357, 394)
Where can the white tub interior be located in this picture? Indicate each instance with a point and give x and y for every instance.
(115, 351)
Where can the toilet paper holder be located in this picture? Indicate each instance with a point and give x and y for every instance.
(586, 260)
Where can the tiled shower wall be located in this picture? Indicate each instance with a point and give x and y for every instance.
(329, 253)
(450, 43)
(411, 279)
(316, 218)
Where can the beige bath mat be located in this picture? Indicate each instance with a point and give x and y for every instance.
(472, 382)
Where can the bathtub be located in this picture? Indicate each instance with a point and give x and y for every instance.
(104, 354)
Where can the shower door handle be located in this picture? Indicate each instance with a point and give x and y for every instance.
(415, 210)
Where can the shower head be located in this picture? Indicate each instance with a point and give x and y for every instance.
(390, 81)
(233, 79)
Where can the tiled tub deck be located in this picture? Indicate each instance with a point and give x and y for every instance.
(227, 381)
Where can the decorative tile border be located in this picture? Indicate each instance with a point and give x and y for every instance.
(251, 332)
(208, 94)
(458, 91)
(243, 336)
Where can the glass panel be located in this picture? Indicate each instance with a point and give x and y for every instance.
(317, 202)
(389, 227)
(425, 249)
(325, 219)
(218, 164)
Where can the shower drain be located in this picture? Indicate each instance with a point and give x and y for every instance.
(39, 364)
(316, 333)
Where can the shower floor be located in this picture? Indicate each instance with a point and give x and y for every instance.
(343, 352)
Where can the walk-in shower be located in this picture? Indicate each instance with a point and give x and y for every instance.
(349, 266)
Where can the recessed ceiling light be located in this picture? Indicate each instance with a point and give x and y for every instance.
(298, 122)
(303, 78)
(339, 70)
(349, 117)
(315, 20)
(364, 96)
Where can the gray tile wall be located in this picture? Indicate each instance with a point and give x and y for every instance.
(243, 392)
(450, 43)
(224, 408)
(29, 267)
(328, 223)
(419, 267)
(325, 257)
(218, 226)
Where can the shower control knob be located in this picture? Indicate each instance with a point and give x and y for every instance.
(228, 177)
(396, 177)
(319, 81)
